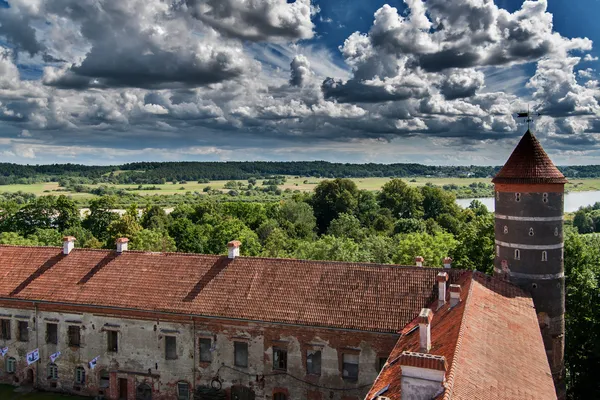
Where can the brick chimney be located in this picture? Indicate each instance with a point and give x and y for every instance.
(68, 244)
(454, 295)
(447, 262)
(442, 278)
(233, 248)
(122, 244)
(424, 319)
(419, 261)
(423, 375)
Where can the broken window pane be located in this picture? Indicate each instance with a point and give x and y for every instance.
(350, 367)
(74, 335)
(52, 333)
(23, 331)
(170, 347)
(279, 359)
(113, 341)
(5, 329)
(313, 362)
(241, 354)
(205, 353)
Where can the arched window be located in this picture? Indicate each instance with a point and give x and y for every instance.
(517, 196)
(517, 254)
(544, 255)
(143, 392)
(104, 379)
(531, 233)
(80, 375)
(279, 396)
(545, 197)
(497, 251)
(52, 371)
(505, 229)
(183, 391)
(11, 365)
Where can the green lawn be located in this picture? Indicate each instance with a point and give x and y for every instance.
(7, 392)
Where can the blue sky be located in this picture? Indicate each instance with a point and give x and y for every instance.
(436, 82)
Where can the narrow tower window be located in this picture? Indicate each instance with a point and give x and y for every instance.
(517, 254)
(497, 251)
(517, 196)
(562, 254)
(544, 255)
(556, 231)
(545, 197)
(505, 229)
(531, 232)
(497, 196)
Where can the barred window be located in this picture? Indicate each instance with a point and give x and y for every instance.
(80, 375)
(11, 365)
(52, 371)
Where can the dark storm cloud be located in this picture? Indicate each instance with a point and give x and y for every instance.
(354, 91)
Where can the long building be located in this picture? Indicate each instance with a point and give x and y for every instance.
(134, 325)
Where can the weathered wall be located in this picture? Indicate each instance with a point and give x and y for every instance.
(141, 354)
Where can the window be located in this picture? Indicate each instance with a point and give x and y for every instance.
(52, 333)
(23, 331)
(112, 338)
(497, 196)
(544, 255)
(205, 353)
(517, 254)
(313, 362)
(350, 367)
(279, 359)
(5, 329)
(11, 365)
(104, 379)
(74, 335)
(183, 391)
(279, 396)
(531, 233)
(241, 354)
(545, 197)
(517, 196)
(80, 375)
(144, 392)
(497, 251)
(505, 229)
(170, 347)
(381, 363)
(52, 371)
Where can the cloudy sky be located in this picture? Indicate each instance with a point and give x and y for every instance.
(436, 81)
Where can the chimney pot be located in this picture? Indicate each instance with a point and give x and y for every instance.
(122, 244)
(424, 319)
(419, 261)
(447, 262)
(68, 244)
(454, 295)
(442, 278)
(233, 248)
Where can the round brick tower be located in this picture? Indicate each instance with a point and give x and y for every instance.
(529, 205)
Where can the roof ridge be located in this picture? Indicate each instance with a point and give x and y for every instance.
(453, 367)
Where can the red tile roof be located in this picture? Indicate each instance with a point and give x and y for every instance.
(491, 342)
(529, 163)
(369, 297)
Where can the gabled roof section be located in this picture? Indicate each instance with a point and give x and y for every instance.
(529, 163)
(491, 341)
(361, 296)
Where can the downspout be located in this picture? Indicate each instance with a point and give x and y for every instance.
(194, 356)
(37, 346)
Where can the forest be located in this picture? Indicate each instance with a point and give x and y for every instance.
(161, 172)
(337, 221)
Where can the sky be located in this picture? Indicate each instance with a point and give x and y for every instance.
(434, 82)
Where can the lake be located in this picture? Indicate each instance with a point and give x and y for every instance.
(573, 200)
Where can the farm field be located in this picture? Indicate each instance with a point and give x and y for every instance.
(293, 183)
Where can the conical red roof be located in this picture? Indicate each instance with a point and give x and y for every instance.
(529, 163)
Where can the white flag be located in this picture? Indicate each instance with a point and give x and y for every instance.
(3, 351)
(92, 363)
(33, 356)
(54, 356)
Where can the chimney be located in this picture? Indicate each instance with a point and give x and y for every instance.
(425, 318)
(454, 295)
(419, 261)
(68, 244)
(442, 277)
(122, 244)
(447, 262)
(233, 248)
(423, 375)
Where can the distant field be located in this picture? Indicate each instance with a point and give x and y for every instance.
(293, 183)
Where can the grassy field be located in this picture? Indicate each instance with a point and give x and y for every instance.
(293, 183)
(7, 392)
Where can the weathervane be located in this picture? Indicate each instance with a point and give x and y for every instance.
(529, 115)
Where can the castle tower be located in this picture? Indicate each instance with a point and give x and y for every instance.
(529, 240)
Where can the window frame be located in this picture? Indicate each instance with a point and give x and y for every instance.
(11, 365)
(52, 372)
(207, 353)
(544, 255)
(346, 364)
(170, 355)
(517, 254)
(48, 336)
(80, 375)
(280, 396)
(71, 331)
(187, 388)
(381, 363)
(237, 345)
(279, 359)
(112, 341)
(5, 325)
(23, 326)
(312, 370)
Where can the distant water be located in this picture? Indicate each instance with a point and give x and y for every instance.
(573, 200)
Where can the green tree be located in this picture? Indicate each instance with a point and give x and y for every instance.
(37, 214)
(403, 200)
(155, 217)
(229, 229)
(333, 197)
(329, 247)
(431, 247)
(101, 216)
(126, 226)
(15, 239)
(583, 222)
(346, 225)
(475, 249)
(379, 248)
(410, 225)
(297, 219)
(149, 240)
(436, 202)
(189, 237)
(67, 214)
(47, 237)
(276, 244)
